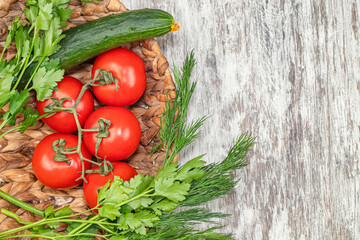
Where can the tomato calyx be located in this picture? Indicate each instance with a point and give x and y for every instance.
(104, 125)
(105, 168)
(104, 77)
(56, 106)
(60, 152)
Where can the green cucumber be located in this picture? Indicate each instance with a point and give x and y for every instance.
(92, 38)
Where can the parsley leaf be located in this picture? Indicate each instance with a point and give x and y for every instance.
(6, 78)
(171, 189)
(109, 211)
(45, 81)
(191, 170)
(30, 119)
(165, 205)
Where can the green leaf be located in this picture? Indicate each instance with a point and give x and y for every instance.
(146, 217)
(9, 118)
(39, 47)
(168, 171)
(141, 202)
(6, 79)
(12, 31)
(43, 20)
(165, 205)
(65, 211)
(171, 189)
(109, 211)
(54, 225)
(64, 15)
(61, 3)
(45, 81)
(139, 183)
(191, 170)
(30, 119)
(18, 102)
(32, 3)
(49, 210)
(51, 64)
(117, 193)
(103, 192)
(52, 37)
(129, 220)
(45, 231)
(31, 13)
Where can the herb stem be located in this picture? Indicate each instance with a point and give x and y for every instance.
(36, 32)
(28, 235)
(84, 226)
(15, 230)
(14, 216)
(3, 123)
(21, 204)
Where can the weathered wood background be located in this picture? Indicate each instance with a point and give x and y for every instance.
(289, 72)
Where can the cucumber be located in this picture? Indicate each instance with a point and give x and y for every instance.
(90, 39)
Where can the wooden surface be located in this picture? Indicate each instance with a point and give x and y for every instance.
(288, 71)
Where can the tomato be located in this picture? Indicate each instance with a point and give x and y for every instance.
(95, 180)
(68, 87)
(55, 174)
(124, 137)
(129, 69)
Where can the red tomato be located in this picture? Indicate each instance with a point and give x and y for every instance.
(96, 180)
(129, 69)
(54, 174)
(124, 137)
(64, 122)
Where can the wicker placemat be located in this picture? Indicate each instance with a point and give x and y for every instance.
(16, 175)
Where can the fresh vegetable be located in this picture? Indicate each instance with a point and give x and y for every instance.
(143, 207)
(96, 180)
(57, 105)
(43, 50)
(129, 69)
(56, 169)
(68, 89)
(116, 140)
(35, 42)
(95, 37)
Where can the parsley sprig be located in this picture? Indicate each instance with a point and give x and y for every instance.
(31, 68)
(143, 207)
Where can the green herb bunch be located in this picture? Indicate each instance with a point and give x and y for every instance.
(151, 207)
(36, 38)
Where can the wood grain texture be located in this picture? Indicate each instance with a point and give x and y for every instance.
(288, 71)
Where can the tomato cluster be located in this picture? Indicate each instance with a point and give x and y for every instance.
(58, 160)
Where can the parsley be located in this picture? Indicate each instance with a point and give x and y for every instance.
(35, 42)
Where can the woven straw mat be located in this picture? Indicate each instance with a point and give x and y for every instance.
(16, 175)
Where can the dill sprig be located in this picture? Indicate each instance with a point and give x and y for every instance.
(219, 178)
(174, 133)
